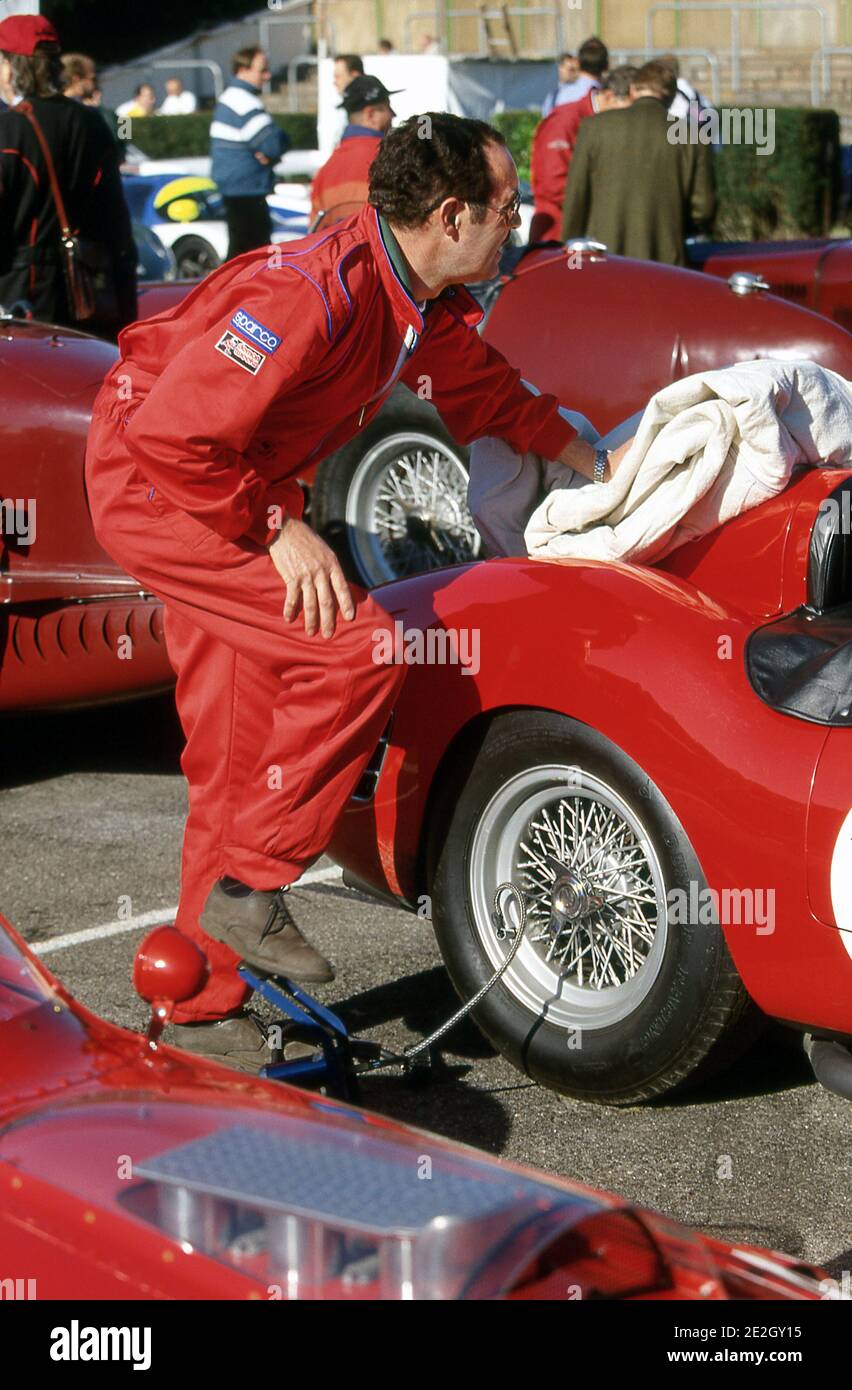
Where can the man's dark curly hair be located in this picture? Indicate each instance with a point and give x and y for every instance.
(428, 158)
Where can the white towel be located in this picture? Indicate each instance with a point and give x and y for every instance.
(706, 449)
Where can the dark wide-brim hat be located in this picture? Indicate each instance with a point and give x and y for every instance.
(366, 91)
(21, 33)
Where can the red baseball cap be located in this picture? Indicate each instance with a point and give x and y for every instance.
(20, 33)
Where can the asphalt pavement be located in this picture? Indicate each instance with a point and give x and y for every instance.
(91, 810)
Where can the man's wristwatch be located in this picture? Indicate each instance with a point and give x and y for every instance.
(601, 461)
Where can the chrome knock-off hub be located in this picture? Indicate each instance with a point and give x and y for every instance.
(571, 895)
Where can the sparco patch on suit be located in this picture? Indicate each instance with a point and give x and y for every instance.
(258, 333)
(240, 352)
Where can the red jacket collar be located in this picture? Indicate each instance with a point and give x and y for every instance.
(459, 301)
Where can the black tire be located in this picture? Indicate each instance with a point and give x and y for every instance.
(195, 257)
(695, 1007)
(342, 496)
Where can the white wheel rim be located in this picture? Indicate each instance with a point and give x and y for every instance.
(566, 837)
(406, 509)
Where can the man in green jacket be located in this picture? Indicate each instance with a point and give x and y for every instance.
(631, 186)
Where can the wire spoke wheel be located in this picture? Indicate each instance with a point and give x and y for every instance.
(594, 886)
(608, 996)
(407, 511)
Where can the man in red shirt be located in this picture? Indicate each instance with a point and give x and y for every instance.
(191, 472)
(553, 147)
(340, 187)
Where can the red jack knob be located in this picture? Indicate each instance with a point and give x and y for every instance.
(168, 968)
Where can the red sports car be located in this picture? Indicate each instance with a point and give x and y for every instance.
(658, 759)
(817, 274)
(132, 1173)
(74, 629)
(603, 333)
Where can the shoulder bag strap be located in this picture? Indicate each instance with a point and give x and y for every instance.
(26, 110)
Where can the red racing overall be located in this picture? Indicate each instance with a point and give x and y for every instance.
(187, 462)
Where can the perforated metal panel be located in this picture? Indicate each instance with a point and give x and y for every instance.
(357, 1184)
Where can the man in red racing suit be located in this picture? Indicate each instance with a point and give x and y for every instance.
(191, 471)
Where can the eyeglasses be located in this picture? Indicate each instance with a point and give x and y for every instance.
(508, 212)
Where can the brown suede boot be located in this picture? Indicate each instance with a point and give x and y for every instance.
(237, 1042)
(259, 927)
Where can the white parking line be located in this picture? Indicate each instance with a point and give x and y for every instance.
(159, 917)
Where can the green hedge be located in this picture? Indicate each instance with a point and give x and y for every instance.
(177, 137)
(517, 128)
(792, 192)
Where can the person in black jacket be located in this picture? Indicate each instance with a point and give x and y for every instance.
(85, 158)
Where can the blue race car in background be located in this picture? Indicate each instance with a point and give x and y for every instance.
(187, 214)
(154, 261)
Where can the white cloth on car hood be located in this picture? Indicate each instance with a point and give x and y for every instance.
(706, 449)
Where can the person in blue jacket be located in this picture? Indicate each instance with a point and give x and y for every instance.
(245, 146)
